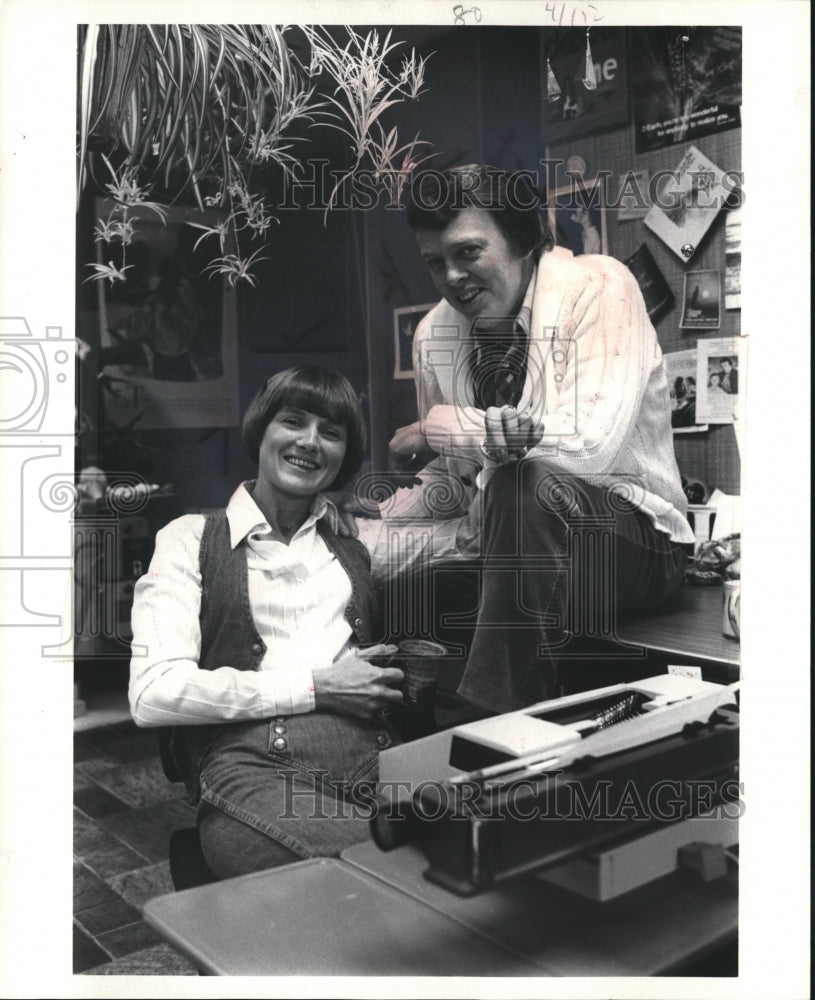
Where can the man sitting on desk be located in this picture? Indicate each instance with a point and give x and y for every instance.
(542, 392)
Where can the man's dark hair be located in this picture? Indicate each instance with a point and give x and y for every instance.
(514, 204)
(316, 389)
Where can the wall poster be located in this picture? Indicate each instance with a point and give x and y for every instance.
(577, 110)
(685, 82)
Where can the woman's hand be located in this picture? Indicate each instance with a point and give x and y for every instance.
(352, 685)
(408, 441)
(509, 434)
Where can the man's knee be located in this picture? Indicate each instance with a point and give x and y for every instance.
(533, 483)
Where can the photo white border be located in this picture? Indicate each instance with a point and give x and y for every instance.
(37, 198)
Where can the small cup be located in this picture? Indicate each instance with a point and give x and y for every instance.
(420, 660)
(731, 609)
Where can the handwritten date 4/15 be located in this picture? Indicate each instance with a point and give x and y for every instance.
(574, 14)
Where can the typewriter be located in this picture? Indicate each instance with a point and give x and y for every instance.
(597, 792)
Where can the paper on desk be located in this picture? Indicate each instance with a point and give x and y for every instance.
(728, 513)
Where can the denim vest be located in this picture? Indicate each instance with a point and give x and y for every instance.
(228, 631)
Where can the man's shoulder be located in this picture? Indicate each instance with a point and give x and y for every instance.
(580, 268)
(588, 274)
(440, 321)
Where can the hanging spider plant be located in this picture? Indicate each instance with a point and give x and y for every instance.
(189, 111)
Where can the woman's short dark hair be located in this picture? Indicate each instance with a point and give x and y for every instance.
(323, 391)
(436, 197)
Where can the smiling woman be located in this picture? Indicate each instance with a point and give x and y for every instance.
(305, 431)
(251, 625)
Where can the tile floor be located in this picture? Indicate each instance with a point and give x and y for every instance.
(124, 811)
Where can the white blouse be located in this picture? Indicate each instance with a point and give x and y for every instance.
(297, 594)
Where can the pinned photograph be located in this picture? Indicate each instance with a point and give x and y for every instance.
(717, 380)
(702, 301)
(681, 367)
(687, 201)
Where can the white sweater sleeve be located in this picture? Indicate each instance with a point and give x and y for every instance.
(596, 373)
(449, 430)
(610, 349)
(166, 685)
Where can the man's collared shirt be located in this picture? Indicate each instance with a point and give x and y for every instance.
(498, 361)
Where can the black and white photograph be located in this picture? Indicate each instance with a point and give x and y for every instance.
(359, 636)
(681, 368)
(405, 321)
(720, 379)
(702, 301)
(577, 217)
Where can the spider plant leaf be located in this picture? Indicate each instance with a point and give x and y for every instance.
(203, 92)
(89, 43)
(106, 56)
(151, 120)
(166, 57)
(220, 38)
(125, 42)
(193, 110)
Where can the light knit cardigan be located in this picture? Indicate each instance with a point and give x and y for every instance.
(595, 380)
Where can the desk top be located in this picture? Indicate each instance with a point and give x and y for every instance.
(322, 917)
(689, 625)
(373, 914)
(643, 933)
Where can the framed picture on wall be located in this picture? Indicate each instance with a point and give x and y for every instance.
(577, 217)
(405, 321)
(168, 352)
